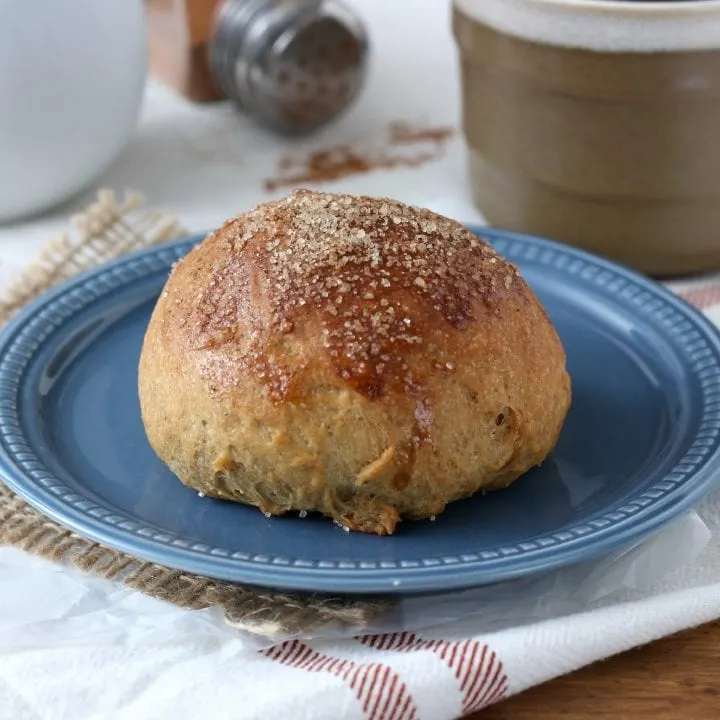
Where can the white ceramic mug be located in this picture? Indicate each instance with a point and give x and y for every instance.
(71, 82)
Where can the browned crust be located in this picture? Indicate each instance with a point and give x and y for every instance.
(355, 356)
(379, 281)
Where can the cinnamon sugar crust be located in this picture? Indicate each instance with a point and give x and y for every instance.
(331, 345)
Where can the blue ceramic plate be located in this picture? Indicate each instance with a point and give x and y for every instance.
(639, 446)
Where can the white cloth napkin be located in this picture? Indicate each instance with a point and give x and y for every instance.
(74, 647)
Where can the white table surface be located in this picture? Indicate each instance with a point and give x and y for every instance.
(204, 163)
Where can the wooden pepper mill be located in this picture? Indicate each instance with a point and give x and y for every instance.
(292, 65)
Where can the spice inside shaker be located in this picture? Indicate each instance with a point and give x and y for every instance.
(292, 66)
(179, 32)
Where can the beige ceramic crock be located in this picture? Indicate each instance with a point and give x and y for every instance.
(598, 124)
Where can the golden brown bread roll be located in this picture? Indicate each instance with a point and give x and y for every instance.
(353, 356)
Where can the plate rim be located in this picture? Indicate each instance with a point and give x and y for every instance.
(436, 574)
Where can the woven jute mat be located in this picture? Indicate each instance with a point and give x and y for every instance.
(107, 229)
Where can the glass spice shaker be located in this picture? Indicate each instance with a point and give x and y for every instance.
(291, 65)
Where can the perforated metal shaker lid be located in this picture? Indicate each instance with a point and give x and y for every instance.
(292, 65)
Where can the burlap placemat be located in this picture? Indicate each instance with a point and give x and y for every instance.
(108, 228)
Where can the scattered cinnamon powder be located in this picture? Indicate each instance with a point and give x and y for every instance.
(404, 133)
(340, 161)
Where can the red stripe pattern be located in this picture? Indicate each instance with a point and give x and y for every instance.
(702, 297)
(479, 671)
(378, 688)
